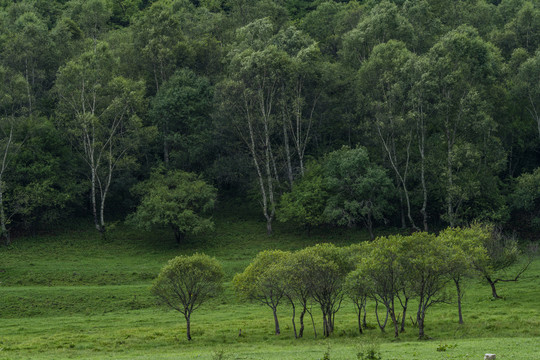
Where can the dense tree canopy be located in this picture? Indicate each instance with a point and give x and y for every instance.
(443, 101)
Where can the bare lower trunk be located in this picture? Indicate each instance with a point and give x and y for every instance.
(188, 326)
(276, 321)
(493, 288)
(395, 322)
(459, 296)
(326, 331)
(3, 221)
(402, 329)
(287, 154)
(313, 323)
(421, 333)
(364, 321)
(450, 183)
(383, 325)
(301, 330)
(269, 225)
(93, 199)
(359, 309)
(293, 319)
(420, 317)
(178, 235)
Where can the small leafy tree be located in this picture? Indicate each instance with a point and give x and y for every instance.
(424, 260)
(357, 288)
(177, 199)
(294, 274)
(326, 279)
(527, 196)
(467, 248)
(186, 282)
(503, 252)
(384, 271)
(306, 202)
(259, 283)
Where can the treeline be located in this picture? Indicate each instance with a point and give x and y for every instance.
(392, 272)
(438, 103)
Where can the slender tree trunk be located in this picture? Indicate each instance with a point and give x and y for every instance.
(287, 154)
(404, 315)
(395, 322)
(421, 334)
(302, 314)
(450, 181)
(93, 197)
(364, 307)
(165, 144)
(370, 226)
(5, 231)
(313, 323)
(422, 148)
(264, 198)
(188, 326)
(276, 321)
(178, 235)
(381, 326)
(326, 333)
(293, 318)
(459, 296)
(3, 217)
(359, 309)
(493, 288)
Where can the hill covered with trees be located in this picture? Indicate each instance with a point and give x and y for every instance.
(417, 114)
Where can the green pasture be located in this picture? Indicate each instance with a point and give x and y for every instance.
(71, 295)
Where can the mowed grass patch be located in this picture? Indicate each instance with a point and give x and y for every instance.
(75, 295)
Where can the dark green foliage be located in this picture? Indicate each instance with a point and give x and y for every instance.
(443, 98)
(181, 110)
(175, 199)
(359, 190)
(527, 196)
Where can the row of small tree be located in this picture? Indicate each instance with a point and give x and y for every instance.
(389, 271)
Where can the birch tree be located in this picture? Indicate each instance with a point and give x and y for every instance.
(252, 94)
(13, 98)
(384, 82)
(98, 110)
(460, 74)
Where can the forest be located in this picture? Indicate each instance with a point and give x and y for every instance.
(414, 114)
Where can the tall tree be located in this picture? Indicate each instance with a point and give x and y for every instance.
(461, 72)
(383, 80)
(98, 110)
(13, 88)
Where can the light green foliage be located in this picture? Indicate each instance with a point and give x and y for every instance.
(105, 308)
(325, 280)
(186, 282)
(424, 258)
(176, 199)
(263, 281)
(383, 269)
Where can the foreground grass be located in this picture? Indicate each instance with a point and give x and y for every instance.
(74, 295)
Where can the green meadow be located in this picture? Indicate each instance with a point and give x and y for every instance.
(69, 294)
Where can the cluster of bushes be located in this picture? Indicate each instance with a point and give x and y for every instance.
(390, 271)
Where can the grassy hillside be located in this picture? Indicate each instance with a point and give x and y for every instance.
(73, 295)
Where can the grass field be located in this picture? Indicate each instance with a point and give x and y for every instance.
(72, 295)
